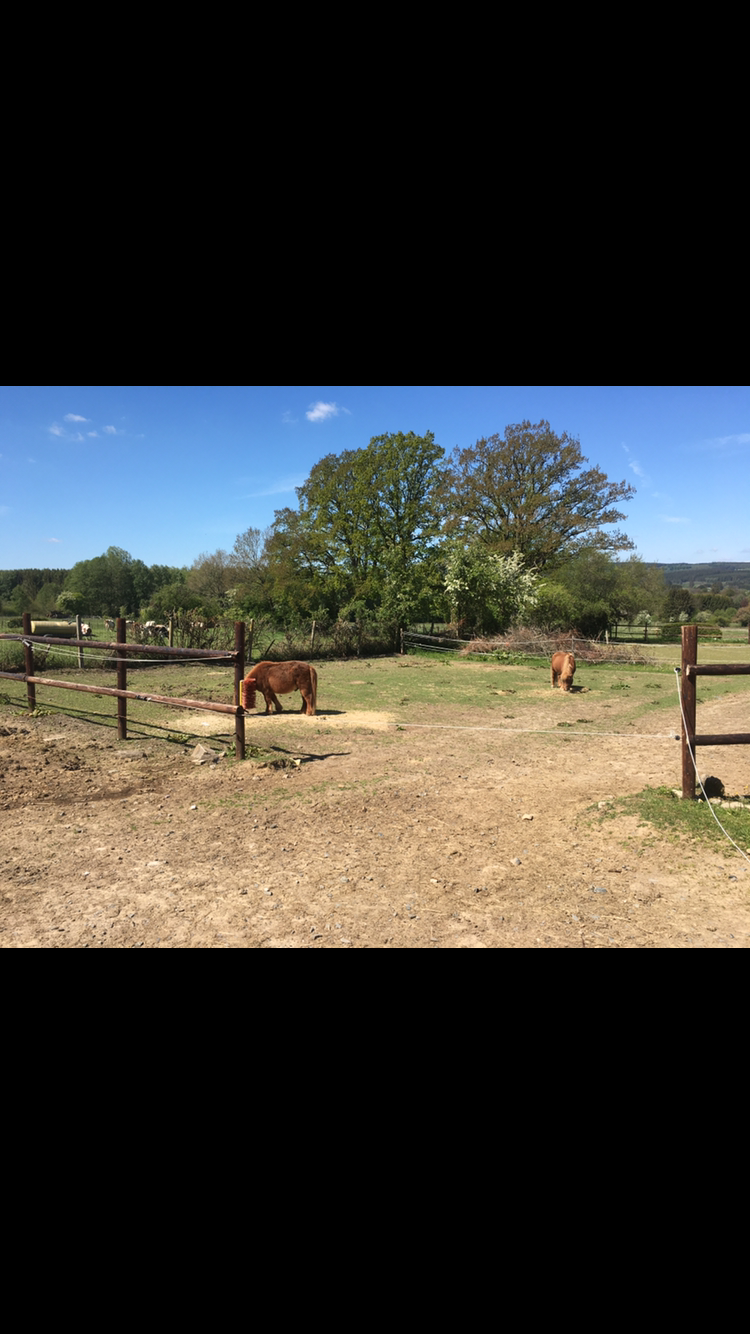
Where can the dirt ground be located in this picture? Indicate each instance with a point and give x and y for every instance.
(368, 834)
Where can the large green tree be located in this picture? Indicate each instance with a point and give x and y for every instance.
(366, 523)
(107, 583)
(112, 583)
(528, 491)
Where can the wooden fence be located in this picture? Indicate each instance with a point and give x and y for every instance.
(690, 670)
(121, 649)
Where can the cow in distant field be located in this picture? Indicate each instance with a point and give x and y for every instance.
(564, 666)
(156, 631)
(110, 625)
(85, 629)
(284, 677)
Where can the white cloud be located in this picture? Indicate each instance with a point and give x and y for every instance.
(669, 518)
(111, 430)
(634, 464)
(320, 412)
(95, 434)
(742, 439)
(276, 488)
(73, 417)
(55, 539)
(57, 430)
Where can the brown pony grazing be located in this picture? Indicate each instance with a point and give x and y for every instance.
(563, 665)
(268, 677)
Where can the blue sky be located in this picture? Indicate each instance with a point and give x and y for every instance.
(173, 471)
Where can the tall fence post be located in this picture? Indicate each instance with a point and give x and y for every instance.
(239, 673)
(687, 694)
(122, 680)
(28, 659)
(171, 632)
(79, 634)
(249, 643)
(239, 662)
(312, 637)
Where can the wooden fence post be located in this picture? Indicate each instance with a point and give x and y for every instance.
(79, 634)
(122, 680)
(401, 633)
(687, 694)
(312, 637)
(28, 658)
(171, 632)
(239, 662)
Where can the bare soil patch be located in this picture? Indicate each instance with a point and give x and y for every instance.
(383, 835)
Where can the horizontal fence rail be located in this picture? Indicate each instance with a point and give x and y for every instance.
(123, 694)
(151, 650)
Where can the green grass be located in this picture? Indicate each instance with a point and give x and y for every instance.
(667, 813)
(446, 688)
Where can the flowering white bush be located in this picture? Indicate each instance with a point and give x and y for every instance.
(479, 582)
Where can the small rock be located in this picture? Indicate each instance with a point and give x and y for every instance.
(598, 889)
(732, 877)
(515, 861)
(193, 808)
(527, 817)
(243, 891)
(203, 755)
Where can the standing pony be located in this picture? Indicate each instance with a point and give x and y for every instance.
(268, 677)
(564, 666)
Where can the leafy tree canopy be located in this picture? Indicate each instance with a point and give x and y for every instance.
(528, 491)
(366, 521)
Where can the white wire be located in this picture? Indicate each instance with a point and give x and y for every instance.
(109, 657)
(700, 780)
(545, 731)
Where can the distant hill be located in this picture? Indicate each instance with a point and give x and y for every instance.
(705, 574)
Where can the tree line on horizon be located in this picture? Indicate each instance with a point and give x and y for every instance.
(515, 527)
